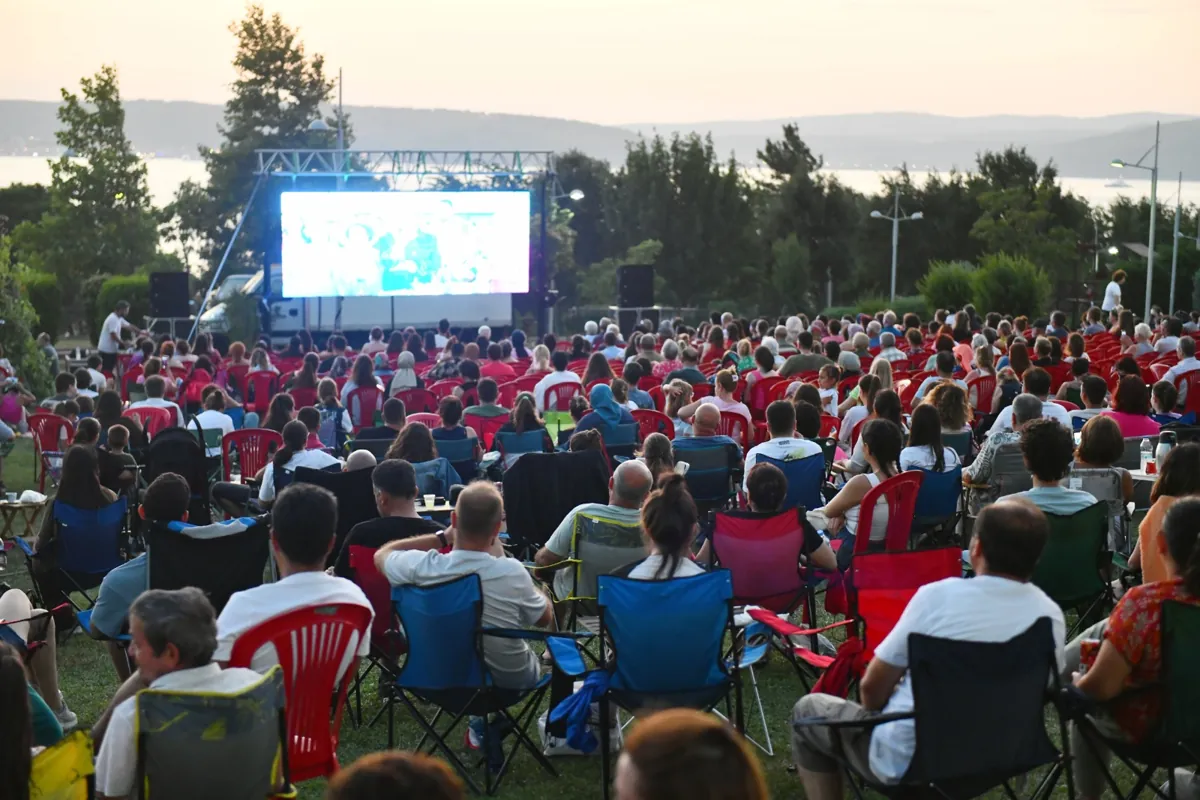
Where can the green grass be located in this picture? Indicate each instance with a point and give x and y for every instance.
(88, 681)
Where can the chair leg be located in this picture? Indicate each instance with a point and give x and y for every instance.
(605, 780)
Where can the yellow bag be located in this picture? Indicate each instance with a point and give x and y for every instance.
(63, 772)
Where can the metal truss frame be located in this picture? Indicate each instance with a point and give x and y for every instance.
(419, 167)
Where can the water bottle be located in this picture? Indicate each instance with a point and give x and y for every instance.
(1147, 452)
(1166, 441)
(235, 469)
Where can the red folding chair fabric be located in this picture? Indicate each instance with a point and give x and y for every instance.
(311, 644)
(762, 554)
(485, 427)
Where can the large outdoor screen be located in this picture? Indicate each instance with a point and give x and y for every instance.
(396, 244)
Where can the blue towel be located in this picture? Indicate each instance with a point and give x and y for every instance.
(576, 708)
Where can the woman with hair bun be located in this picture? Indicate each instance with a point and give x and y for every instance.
(669, 524)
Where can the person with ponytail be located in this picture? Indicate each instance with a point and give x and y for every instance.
(670, 522)
(293, 454)
(1128, 665)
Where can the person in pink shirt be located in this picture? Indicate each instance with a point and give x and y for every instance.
(1131, 409)
(835, 332)
(494, 367)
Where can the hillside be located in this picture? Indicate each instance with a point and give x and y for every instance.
(1082, 147)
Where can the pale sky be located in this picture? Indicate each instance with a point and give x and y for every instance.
(619, 61)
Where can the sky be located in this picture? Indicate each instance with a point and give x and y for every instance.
(625, 61)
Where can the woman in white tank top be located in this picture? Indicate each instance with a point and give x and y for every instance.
(882, 441)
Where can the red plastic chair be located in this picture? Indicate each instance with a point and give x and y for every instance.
(659, 398)
(648, 382)
(485, 427)
(362, 403)
(1059, 375)
(1067, 404)
(829, 426)
(778, 391)
(153, 418)
(561, 394)
(311, 644)
(901, 495)
(1192, 380)
(734, 426)
(701, 390)
(128, 380)
(235, 376)
(650, 421)
(846, 384)
(261, 386)
(52, 435)
(909, 393)
(510, 390)
(443, 388)
(598, 382)
(419, 400)
(254, 447)
(303, 397)
(758, 396)
(429, 420)
(856, 432)
(1159, 370)
(985, 387)
(900, 365)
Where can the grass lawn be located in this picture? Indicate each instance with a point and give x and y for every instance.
(88, 681)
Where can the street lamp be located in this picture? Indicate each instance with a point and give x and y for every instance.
(576, 195)
(1119, 164)
(896, 218)
(1178, 235)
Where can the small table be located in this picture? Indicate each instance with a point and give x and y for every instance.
(1143, 483)
(12, 512)
(440, 508)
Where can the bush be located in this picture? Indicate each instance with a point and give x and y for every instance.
(42, 290)
(947, 284)
(1011, 285)
(912, 304)
(17, 335)
(133, 288)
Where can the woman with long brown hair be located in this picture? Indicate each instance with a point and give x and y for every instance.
(363, 374)
(414, 444)
(597, 369)
(523, 418)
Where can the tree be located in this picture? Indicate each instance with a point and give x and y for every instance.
(99, 218)
(22, 202)
(278, 91)
(593, 239)
(17, 333)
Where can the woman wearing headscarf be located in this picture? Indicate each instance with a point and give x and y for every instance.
(606, 411)
(405, 376)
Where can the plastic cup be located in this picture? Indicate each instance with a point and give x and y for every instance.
(11, 497)
(429, 498)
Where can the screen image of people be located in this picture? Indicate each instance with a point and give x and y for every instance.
(372, 244)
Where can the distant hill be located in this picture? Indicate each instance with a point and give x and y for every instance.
(1081, 146)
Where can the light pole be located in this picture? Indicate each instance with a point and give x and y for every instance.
(1178, 235)
(319, 125)
(896, 217)
(1119, 164)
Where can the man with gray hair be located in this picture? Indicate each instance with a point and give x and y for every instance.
(590, 328)
(174, 637)
(888, 349)
(873, 331)
(627, 488)
(1025, 409)
(646, 346)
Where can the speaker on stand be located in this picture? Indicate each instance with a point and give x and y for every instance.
(635, 296)
(169, 303)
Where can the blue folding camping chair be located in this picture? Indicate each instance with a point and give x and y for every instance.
(672, 658)
(514, 445)
(620, 442)
(445, 668)
(709, 476)
(87, 545)
(461, 455)
(937, 508)
(804, 479)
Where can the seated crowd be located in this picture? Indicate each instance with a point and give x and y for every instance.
(813, 420)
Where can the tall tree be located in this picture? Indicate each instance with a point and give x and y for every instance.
(22, 202)
(100, 219)
(593, 239)
(278, 92)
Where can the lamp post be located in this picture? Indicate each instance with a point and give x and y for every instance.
(896, 218)
(319, 125)
(1178, 235)
(1153, 170)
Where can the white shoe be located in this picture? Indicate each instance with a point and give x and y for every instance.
(65, 716)
(553, 746)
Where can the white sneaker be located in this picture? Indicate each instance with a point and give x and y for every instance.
(65, 716)
(557, 745)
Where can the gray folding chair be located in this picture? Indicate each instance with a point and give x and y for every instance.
(1009, 473)
(598, 547)
(1105, 485)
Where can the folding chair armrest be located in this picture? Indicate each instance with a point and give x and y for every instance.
(866, 722)
(26, 548)
(535, 635)
(785, 628)
(978, 487)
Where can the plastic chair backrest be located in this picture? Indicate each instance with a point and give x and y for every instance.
(442, 623)
(829, 426)
(49, 431)
(938, 497)
(253, 446)
(660, 399)
(257, 390)
(760, 393)
(556, 397)
(602, 546)
(1191, 379)
(691, 614)
(734, 426)
(376, 587)
(1070, 568)
(701, 390)
(650, 421)
(900, 492)
(362, 403)
(1067, 404)
(485, 427)
(303, 398)
(856, 431)
(598, 382)
(883, 583)
(419, 401)
(192, 744)
(312, 645)
(89, 540)
(804, 478)
(153, 418)
(427, 419)
(984, 387)
(443, 388)
(762, 554)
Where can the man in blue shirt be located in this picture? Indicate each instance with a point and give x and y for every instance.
(632, 373)
(1049, 448)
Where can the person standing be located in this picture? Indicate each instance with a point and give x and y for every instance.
(1112, 292)
(110, 335)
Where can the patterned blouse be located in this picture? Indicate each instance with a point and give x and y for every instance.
(1135, 629)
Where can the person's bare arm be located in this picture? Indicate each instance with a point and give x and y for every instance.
(1106, 678)
(689, 410)
(428, 541)
(878, 684)
(822, 558)
(546, 557)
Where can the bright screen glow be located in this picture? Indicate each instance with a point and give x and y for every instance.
(397, 244)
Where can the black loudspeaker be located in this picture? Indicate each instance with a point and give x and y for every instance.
(626, 319)
(635, 286)
(169, 294)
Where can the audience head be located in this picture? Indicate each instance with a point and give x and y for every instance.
(577, 407)
(685, 753)
(118, 438)
(166, 499)
(707, 420)
(87, 432)
(658, 455)
(953, 407)
(477, 516)
(882, 442)
(394, 412)
(1009, 538)
(670, 522)
(585, 440)
(155, 387)
(360, 459)
(1178, 542)
(1036, 382)
(303, 526)
(414, 444)
(311, 418)
(1026, 409)
(767, 487)
(630, 483)
(1092, 389)
(808, 418)
(1132, 397)
(327, 392)
(395, 485)
(781, 419)
(79, 484)
(1101, 443)
(450, 409)
(809, 394)
(1164, 397)
(1048, 448)
(280, 412)
(394, 775)
(1180, 473)
(171, 631)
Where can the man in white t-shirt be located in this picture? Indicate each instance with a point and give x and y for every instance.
(783, 445)
(1112, 292)
(627, 489)
(561, 374)
(110, 335)
(156, 389)
(174, 638)
(303, 528)
(213, 418)
(1035, 381)
(510, 598)
(995, 606)
(944, 363)
(1172, 329)
(1186, 348)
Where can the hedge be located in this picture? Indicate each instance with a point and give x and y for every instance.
(947, 284)
(912, 304)
(1011, 285)
(133, 288)
(46, 298)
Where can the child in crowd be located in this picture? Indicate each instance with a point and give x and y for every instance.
(1163, 397)
(827, 381)
(311, 418)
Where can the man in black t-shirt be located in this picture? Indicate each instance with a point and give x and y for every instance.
(395, 484)
(393, 421)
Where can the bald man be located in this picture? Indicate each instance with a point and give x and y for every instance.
(627, 489)
(360, 459)
(706, 424)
